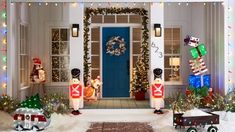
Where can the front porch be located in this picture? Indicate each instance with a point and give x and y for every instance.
(115, 103)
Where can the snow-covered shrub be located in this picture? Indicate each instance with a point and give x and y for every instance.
(8, 104)
(55, 103)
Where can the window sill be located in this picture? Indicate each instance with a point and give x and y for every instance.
(170, 83)
(59, 84)
(24, 88)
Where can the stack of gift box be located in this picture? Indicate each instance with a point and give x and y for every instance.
(198, 81)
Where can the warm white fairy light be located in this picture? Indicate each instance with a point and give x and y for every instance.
(187, 4)
(74, 4)
(230, 72)
(29, 4)
(46, 4)
(179, 3)
(4, 67)
(4, 24)
(56, 4)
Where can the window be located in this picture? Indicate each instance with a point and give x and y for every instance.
(59, 55)
(172, 54)
(23, 56)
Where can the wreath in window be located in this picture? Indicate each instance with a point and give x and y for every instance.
(116, 46)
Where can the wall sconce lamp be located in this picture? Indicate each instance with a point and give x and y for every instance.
(158, 30)
(75, 28)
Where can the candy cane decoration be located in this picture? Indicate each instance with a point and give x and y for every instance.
(198, 66)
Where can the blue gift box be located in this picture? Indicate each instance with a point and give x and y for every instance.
(195, 81)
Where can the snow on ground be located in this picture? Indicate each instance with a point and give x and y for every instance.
(160, 123)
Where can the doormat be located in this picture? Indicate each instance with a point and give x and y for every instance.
(120, 127)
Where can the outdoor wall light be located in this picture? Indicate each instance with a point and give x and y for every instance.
(158, 30)
(75, 28)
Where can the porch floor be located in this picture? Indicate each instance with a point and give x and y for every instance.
(114, 103)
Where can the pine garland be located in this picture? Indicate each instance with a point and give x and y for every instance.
(89, 12)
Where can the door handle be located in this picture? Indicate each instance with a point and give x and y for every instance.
(128, 67)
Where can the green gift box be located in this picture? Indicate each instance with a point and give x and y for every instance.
(198, 51)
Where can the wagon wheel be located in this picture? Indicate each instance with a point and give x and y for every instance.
(212, 129)
(35, 128)
(192, 129)
(19, 128)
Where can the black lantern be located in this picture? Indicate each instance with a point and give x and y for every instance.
(75, 29)
(158, 30)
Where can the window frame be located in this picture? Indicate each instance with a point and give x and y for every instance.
(26, 67)
(59, 26)
(180, 81)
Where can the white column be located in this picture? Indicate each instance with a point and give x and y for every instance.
(157, 52)
(76, 43)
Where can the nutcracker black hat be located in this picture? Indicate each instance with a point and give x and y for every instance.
(157, 73)
(75, 73)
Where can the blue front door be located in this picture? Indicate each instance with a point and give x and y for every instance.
(116, 76)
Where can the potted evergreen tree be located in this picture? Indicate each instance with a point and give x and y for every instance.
(139, 82)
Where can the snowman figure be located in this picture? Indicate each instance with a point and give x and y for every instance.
(75, 90)
(157, 90)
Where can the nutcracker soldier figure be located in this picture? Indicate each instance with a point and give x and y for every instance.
(158, 91)
(75, 90)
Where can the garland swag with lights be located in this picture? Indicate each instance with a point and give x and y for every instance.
(89, 12)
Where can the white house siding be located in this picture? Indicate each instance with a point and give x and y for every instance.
(191, 18)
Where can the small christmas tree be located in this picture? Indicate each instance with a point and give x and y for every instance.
(139, 80)
(32, 102)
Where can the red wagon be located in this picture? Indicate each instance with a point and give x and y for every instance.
(196, 121)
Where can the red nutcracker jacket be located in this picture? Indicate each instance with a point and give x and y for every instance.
(158, 90)
(75, 90)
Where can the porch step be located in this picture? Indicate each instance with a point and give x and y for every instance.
(117, 104)
(117, 115)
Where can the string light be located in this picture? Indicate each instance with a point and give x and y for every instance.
(179, 4)
(204, 4)
(29, 4)
(4, 85)
(4, 59)
(39, 4)
(74, 4)
(187, 4)
(4, 41)
(56, 4)
(46, 4)
(3, 52)
(229, 27)
(4, 67)
(4, 24)
(4, 15)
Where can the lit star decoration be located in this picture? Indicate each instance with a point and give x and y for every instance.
(3, 52)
